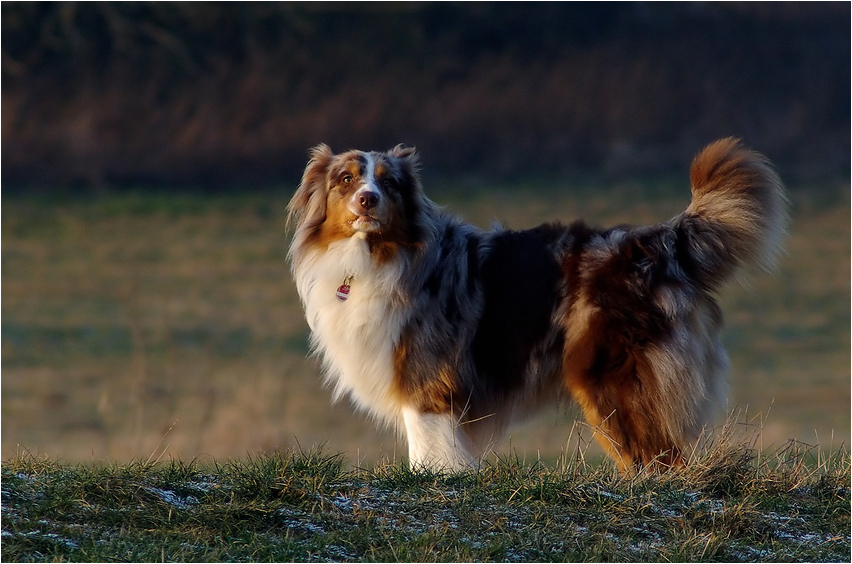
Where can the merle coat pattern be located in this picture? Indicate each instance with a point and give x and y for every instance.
(449, 333)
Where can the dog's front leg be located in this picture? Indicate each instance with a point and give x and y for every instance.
(436, 442)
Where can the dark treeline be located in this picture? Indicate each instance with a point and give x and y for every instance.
(232, 94)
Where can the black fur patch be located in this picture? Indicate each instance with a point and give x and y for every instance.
(519, 277)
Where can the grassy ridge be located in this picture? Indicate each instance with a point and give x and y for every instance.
(731, 503)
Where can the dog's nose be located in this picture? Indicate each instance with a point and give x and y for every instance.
(368, 200)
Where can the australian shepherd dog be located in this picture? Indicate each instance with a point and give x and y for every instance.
(450, 333)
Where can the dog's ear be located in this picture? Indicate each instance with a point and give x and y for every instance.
(308, 203)
(408, 155)
(403, 152)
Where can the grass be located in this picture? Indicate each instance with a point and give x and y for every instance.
(731, 503)
(133, 316)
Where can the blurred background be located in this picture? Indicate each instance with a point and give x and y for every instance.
(149, 151)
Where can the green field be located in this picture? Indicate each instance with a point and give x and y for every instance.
(149, 326)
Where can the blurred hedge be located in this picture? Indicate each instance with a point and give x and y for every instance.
(232, 94)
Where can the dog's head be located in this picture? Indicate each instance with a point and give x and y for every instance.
(373, 194)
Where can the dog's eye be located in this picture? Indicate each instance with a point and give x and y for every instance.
(346, 179)
(387, 182)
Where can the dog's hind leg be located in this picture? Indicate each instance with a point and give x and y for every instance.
(637, 404)
(626, 422)
(648, 403)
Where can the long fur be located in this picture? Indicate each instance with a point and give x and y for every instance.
(450, 333)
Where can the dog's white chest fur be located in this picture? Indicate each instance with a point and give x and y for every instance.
(355, 337)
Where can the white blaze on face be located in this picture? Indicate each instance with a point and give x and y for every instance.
(368, 203)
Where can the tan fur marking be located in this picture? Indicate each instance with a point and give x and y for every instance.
(433, 397)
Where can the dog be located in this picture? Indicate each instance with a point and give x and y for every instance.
(449, 333)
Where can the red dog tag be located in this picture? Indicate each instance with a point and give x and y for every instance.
(343, 292)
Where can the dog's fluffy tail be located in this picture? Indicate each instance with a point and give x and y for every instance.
(738, 214)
